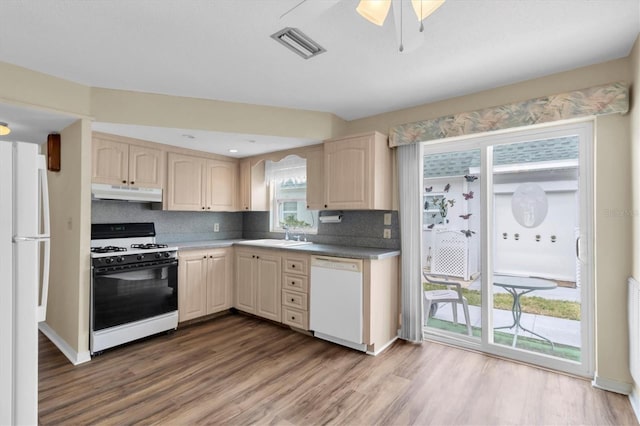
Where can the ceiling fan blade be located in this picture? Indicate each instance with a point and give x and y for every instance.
(305, 11)
(408, 33)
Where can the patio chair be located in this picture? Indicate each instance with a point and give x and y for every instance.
(452, 294)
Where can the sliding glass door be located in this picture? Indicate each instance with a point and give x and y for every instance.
(506, 242)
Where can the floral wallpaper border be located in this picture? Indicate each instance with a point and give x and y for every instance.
(600, 100)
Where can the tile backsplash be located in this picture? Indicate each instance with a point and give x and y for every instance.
(362, 228)
(171, 226)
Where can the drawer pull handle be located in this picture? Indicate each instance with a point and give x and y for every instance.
(293, 318)
(293, 283)
(292, 299)
(293, 266)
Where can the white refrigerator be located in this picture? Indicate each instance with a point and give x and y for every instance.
(24, 277)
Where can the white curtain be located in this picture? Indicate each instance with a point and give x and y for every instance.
(410, 184)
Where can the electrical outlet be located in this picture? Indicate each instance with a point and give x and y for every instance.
(387, 219)
(386, 233)
(216, 227)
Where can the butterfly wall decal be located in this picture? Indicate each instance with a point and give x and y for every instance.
(428, 189)
(468, 195)
(431, 226)
(466, 216)
(467, 232)
(446, 187)
(470, 178)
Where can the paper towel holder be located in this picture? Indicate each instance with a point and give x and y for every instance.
(336, 218)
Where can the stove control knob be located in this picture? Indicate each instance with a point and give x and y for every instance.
(109, 260)
(120, 259)
(158, 255)
(140, 257)
(167, 254)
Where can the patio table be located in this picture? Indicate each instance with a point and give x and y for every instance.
(517, 287)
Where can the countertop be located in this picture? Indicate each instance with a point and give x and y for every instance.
(317, 249)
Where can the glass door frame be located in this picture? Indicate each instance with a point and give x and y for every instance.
(584, 129)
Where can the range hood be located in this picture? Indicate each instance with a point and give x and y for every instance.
(101, 191)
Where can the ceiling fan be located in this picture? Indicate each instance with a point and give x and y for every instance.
(405, 12)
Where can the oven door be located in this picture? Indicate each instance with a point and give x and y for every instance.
(141, 291)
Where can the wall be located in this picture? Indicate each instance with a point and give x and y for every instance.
(613, 242)
(635, 183)
(171, 226)
(358, 228)
(120, 106)
(69, 194)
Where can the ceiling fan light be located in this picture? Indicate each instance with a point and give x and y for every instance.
(374, 11)
(4, 129)
(425, 7)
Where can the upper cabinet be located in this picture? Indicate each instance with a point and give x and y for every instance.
(253, 188)
(115, 161)
(357, 173)
(315, 178)
(198, 183)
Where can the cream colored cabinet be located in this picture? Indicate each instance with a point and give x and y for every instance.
(295, 290)
(357, 173)
(197, 183)
(253, 188)
(117, 162)
(315, 179)
(259, 283)
(381, 302)
(221, 185)
(185, 182)
(205, 284)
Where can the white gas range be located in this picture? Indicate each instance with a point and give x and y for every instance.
(134, 284)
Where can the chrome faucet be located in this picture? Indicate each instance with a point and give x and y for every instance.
(286, 232)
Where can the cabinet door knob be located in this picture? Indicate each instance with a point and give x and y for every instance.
(293, 266)
(325, 206)
(293, 283)
(132, 182)
(210, 257)
(292, 299)
(209, 208)
(204, 257)
(202, 207)
(124, 181)
(246, 208)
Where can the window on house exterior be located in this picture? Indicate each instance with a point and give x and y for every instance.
(288, 182)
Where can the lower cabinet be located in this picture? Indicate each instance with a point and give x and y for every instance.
(259, 283)
(205, 282)
(295, 290)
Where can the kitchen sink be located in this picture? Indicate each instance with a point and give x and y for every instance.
(275, 243)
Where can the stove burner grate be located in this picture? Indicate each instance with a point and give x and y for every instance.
(148, 246)
(107, 249)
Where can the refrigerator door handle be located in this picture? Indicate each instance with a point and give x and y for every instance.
(40, 237)
(46, 224)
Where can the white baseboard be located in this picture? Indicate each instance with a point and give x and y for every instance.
(634, 398)
(73, 356)
(380, 350)
(611, 385)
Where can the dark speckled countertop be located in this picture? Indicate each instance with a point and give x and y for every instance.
(316, 249)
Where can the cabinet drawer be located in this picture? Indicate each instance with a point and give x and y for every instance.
(295, 299)
(295, 282)
(296, 265)
(295, 318)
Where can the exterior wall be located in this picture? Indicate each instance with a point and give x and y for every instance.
(612, 169)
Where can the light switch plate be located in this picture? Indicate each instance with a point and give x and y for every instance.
(387, 218)
(216, 227)
(386, 233)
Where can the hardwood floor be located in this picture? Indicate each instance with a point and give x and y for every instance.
(240, 370)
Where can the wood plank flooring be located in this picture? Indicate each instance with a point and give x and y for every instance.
(239, 370)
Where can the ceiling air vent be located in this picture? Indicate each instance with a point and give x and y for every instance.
(298, 42)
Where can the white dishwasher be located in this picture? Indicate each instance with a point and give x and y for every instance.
(336, 300)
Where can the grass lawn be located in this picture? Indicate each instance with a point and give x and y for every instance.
(530, 304)
(525, 343)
